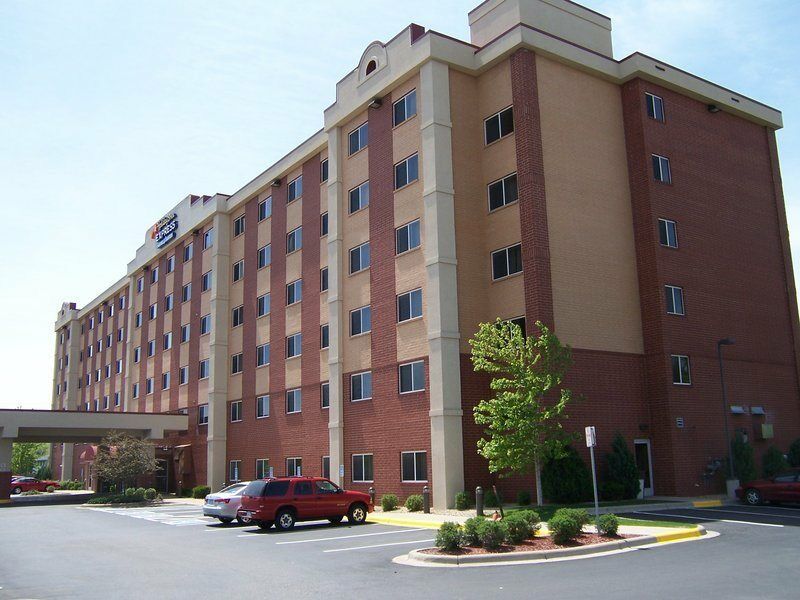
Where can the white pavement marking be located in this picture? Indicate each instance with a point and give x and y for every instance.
(378, 546)
(747, 512)
(163, 515)
(345, 537)
(641, 512)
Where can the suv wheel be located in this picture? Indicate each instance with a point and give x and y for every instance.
(265, 524)
(284, 520)
(753, 497)
(336, 520)
(357, 514)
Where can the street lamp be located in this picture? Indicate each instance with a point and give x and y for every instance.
(720, 344)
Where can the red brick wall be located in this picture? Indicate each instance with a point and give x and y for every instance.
(147, 294)
(154, 402)
(172, 400)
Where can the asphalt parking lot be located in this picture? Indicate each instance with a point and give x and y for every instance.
(174, 552)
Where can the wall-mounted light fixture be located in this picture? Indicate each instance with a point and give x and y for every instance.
(375, 103)
(276, 182)
(713, 108)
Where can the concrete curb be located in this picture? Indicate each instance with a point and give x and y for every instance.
(48, 499)
(419, 556)
(400, 522)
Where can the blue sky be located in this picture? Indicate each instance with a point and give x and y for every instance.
(111, 112)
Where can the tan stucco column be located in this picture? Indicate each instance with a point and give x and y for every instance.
(67, 451)
(447, 460)
(5, 470)
(335, 307)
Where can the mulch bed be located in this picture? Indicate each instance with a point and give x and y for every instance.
(536, 544)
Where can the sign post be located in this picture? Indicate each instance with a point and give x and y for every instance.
(591, 442)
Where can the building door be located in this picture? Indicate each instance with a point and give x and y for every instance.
(162, 475)
(644, 464)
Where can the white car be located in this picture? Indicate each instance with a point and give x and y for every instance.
(224, 504)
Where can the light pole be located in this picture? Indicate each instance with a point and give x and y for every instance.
(720, 344)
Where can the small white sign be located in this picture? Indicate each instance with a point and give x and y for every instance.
(271, 472)
(591, 437)
(341, 470)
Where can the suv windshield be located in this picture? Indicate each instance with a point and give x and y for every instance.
(326, 487)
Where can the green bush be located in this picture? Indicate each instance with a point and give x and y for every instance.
(531, 516)
(130, 493)
(622, 468)
(150, 494)
(185, 493)
(611, 490)
(744, 459)
(523, 498)
(519, 527)
(200, 491)
(607, 524)
(492, 533)
(140, 492)
(463, 501)
(794, 453)
(566, 480)
(490, 499)
(31, 493)
(567, 523)
(414, 503)
(43, 472)
(51, 489)
(773, 462)
(389, 502)
(449, 537)
(472, 536)
(71, 485)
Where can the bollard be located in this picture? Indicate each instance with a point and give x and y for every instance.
(426, 500)
(479, 501)
(372, 495)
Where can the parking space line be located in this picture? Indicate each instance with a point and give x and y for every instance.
(378, 546)
(707, 519)
(747, 512)
(345, 537)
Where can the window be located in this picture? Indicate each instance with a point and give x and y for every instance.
(204, 369)
(674, 296)
(359, 197)
(262, 407)
(323, 279)
(121, 307)
(361, 386)
(171, 264)
(236, 364)
(116, 399)
(681, 374)
(208, 239)
(119, 366)
(183, 375)
(186, 331)
(238, 226)
(135, 390)
(405, 108)
(97, 375)
(360, 320)
(655, 106)
(89, 351)
(120, 334)
(107, 371)
(168, 303)
(265, 256)
(137, 321)
(407, 237)
(154, 275)
(668, 233)
(165, 380)
(325, 394)
(151, 348)
(99, 345)
(111, 309)
(294, 240)
(323, 224)
(326, 472)
(262, 468)
(234, 467)
(205, 284)
(293, 401)
(139, 285)
(236, 411)
(323, 171)
(294, 292)
(137, 354)
(409, 305)
(153, 312)
(362, 468)
(295, 189)
(237, 316)
(91, 323)
(148, 385)
(265, 208)
(406, 171)
(499, 125)
(414, 466)
(188, 252)
(507, 261)
(503, 192)
(205, 324)
(238, 271)
(294, 345)
(294, 466)
(186, 292)
(262, 355)
(100, 315)
(359, 258)
(262, 305)
(519, 322)
(324, 340)
(358, 138)
(412, 377)
(109, 339)
(168, 340)
(202, 414)
(661, 170)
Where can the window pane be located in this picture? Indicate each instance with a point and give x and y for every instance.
(507, 121)
(400, 175)
(515, 259)
(499, 265)
(510, 185)
(406, 375)
(495, 195)
(403, 307)
(418, 372)
(416, 303)
(492, 126)
(408, 466)
(421, 465)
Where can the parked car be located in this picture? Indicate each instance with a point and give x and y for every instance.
(283, 501)
(781, 488)
(225, 503)
(26, 484)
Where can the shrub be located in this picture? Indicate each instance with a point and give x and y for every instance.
(200, 491)
(185, 493)
(773, 462)
(51, 489)
(566, 480)
(490, 499)
(140, 492)
(150, 494)
(492, 533)
(463, 501)
(612, 490)
(30, 493)
(519, 527)
(472, 536)
(523, 498)
(389, 502)
(449, 536)
(607, 524)
(622, 467)
(794, 453)
(414, 503)
(72, 485)
(566, 524)
(531, 516)
(130, 492)
(744, 459)
(43, 472)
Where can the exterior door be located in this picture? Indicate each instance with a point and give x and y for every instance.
(162, 475)
(644, 464)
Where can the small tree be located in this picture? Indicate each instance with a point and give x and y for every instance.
(744, 459)
(622, 467)
(773, 462)
(24, 455)
(567, 480)
(522, 427)
(121, 458)
(794, 453)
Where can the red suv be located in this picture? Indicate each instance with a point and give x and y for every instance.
(286, 500)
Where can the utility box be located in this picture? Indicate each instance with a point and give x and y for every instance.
(766, 432)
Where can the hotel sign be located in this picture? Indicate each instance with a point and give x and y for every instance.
(165, 230)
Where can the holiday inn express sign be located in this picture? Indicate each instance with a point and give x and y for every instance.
(165, 230)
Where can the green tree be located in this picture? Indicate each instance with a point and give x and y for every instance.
(794, 453)
(522, 427)
(743, 459)
(566, 480)
(621, 467)
(24, 455)
(773, 462)
(121, 458)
